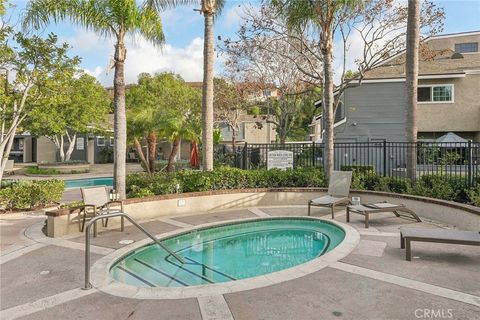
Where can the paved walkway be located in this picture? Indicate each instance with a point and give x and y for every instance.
(41, 277)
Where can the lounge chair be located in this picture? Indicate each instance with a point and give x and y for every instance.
(338, 191)
(407, 235)
(367, 209)
(97, 202)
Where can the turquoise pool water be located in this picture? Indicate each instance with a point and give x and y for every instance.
(229, 252)
(90, 182)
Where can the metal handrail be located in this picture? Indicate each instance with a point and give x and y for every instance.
(112, 215)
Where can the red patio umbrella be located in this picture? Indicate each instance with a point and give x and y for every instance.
(194, 161)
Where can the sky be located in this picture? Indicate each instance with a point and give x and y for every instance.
(183, 51)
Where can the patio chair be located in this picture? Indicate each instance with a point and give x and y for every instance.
(338, 191)
(97, 202)
(408, 235)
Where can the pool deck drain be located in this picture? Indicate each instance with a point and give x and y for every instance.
(443, 278)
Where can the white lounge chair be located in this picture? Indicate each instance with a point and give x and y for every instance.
(338, 191)
(97, 202)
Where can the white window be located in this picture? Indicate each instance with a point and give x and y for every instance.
(100, 141)
(80, 143)
(111, 141)
(435, 93)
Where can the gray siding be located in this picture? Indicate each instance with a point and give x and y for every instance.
(80, 155)
(377, 109)
(226, 132)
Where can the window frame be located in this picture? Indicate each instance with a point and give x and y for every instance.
(82, 139)
(464, 43)
(98, 143)
(431, 86)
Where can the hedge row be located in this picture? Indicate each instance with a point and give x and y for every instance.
(447, 188)
(25, 195)
(142, 185)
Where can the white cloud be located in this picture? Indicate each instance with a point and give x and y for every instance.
(96, 72)
(142, 56)
(88, 41)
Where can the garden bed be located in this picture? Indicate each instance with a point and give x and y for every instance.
(59, 168)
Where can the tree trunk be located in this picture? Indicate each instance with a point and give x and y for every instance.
(138, 148)
(328, 98)
(411, 82)
(6, 152)
(152, 150)
(61, 151)
(120, 119)
(173, 154)
(207, 98)
(71, 147)
(233, 138)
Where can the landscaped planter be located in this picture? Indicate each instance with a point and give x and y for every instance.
(67, 167)
(463, 216)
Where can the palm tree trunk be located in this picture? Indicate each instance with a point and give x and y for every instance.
(328, 98)
(411, 82)
(207, 98)
(152, 150)
(120, 120)
(138, 147)
(173, 154)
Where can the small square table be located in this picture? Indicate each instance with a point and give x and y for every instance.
(367, 209)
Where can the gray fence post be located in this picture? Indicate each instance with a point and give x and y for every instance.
(470, 164)
(384, 158)
(313, 153)
(245, 156)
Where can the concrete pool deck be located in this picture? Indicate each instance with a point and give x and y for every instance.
(41, 277)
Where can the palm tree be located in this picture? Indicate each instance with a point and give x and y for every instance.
(323, 14)
(209, 9)
(107, 18)
(411, 82)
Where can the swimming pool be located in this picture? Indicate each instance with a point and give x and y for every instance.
(228, 252)
(89, 182)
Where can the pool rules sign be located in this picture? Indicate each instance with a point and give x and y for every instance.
(280, 159)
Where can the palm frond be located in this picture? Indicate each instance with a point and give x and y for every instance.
(162, 5)
(149, 25)
(91, 14)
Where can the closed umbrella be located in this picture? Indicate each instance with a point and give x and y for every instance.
(194, 161)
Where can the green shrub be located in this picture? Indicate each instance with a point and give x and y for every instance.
(50, 171)
(222, 178)
(193, 181)
(392, 184)
(434, 186)
(441, 187)
(368, 180)
(31, 194)
(137, 192)
(42, 171)
(473, 195)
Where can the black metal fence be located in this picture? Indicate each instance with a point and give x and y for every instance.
(459, 160)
